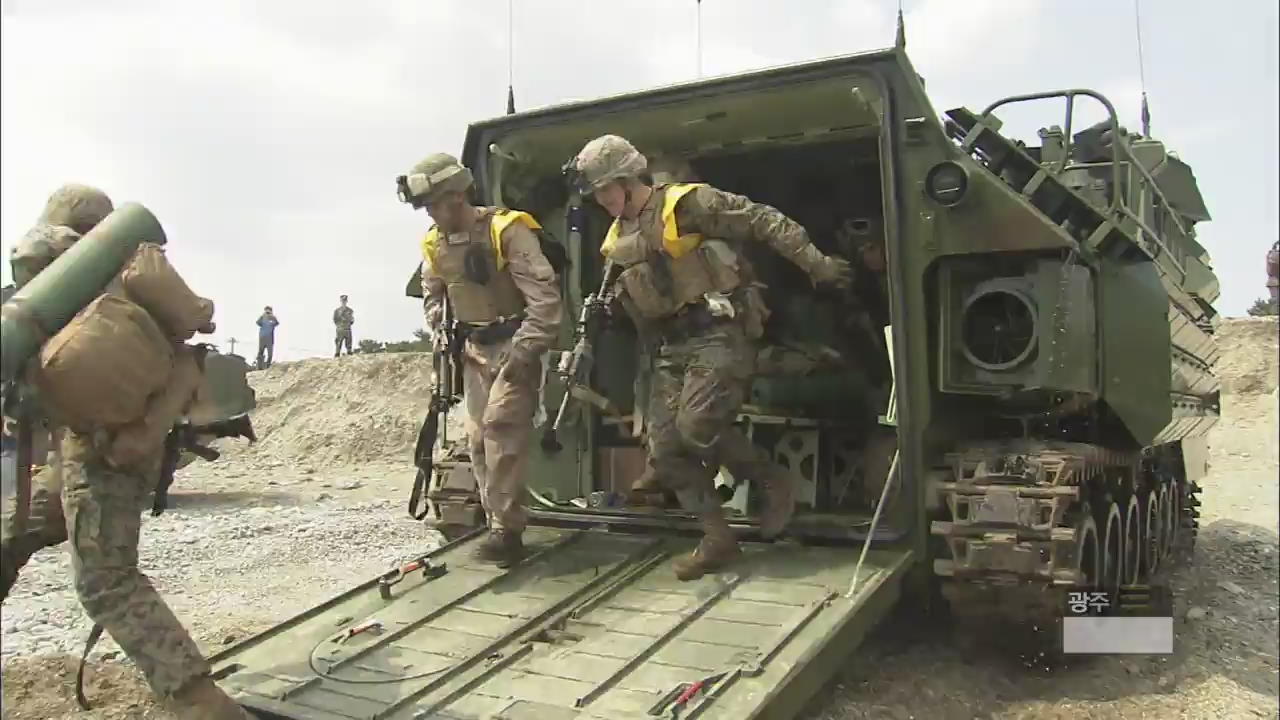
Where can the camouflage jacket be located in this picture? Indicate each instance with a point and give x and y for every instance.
(344, 318)
(737, 219)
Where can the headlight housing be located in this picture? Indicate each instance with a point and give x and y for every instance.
(947, 183)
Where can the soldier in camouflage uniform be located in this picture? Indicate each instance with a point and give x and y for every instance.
(489, 265)
(71, 211)
(102, 506)
(343, 318)
(685, 282)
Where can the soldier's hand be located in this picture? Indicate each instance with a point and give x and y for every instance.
(833, 271)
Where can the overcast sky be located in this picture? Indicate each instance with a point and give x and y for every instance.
(266, 135)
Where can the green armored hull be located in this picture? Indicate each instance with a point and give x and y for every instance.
(1014, 394)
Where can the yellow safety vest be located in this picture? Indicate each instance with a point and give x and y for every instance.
(673, 242)
(476, 303)
(501, 220)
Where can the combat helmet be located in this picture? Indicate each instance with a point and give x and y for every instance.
(603, 160)
(79, 207)
(437, 174)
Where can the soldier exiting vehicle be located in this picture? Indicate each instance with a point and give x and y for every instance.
(267, 323)
(343, 318)
(684, 280)
(488, 265)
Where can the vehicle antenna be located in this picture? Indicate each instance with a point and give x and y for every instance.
(511, 91)
(1142, 70)
(699, 24)
(901, 40)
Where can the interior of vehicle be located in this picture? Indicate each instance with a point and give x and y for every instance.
(822, 391)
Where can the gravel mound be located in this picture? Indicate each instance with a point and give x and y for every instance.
(1250, 360)
(352, 409)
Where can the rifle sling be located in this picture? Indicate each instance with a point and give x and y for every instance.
(94, 635)
(418, 492)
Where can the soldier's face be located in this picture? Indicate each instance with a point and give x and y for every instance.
(613, 198)
(450, 211)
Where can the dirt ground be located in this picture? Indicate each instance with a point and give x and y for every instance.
(318, 506)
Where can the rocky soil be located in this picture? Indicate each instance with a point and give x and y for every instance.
(318, 506)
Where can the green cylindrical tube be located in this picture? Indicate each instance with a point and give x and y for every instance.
(46, 304)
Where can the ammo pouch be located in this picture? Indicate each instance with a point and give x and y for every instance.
(475, 264)
(640, 283)
(659, 292)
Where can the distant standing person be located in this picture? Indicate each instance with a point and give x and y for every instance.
(343, 318)
(267, 338)
(1273, 271)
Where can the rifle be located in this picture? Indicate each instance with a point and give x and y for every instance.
(444, 396)
(575, 366)
(184, 436)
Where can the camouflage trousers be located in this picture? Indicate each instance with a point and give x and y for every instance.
(46, 524)
(103, 508)
(341, 338)
(699, 384)
(499, 426)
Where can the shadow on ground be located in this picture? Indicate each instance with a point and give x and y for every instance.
(208, 500)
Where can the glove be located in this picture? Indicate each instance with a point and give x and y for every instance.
(832, 271)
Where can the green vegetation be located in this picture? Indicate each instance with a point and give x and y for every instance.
(1264, 307)
(419, 343)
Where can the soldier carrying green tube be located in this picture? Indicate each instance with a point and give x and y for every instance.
(54, 342)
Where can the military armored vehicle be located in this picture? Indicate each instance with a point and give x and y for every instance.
(1015, 395)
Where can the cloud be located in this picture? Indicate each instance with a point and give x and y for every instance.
(266, 136)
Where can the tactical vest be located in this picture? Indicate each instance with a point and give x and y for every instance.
(473, 267)
(664, 270)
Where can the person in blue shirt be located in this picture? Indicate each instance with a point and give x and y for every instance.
(266, 338)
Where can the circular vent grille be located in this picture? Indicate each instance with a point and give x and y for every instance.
(999, 329)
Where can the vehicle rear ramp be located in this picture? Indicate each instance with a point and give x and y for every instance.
(592, 624)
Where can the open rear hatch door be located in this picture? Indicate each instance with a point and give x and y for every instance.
(592, 624)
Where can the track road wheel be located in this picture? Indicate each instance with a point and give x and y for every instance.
(1151, 530)
(1170, 519)
(1088, 556)
(1166, 519)
(1112, 550)
(1131, 568)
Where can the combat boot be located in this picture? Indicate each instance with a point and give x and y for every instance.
(779, 488)
(502, 547)
(202, 699)
(646, 494)
(717, 549)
